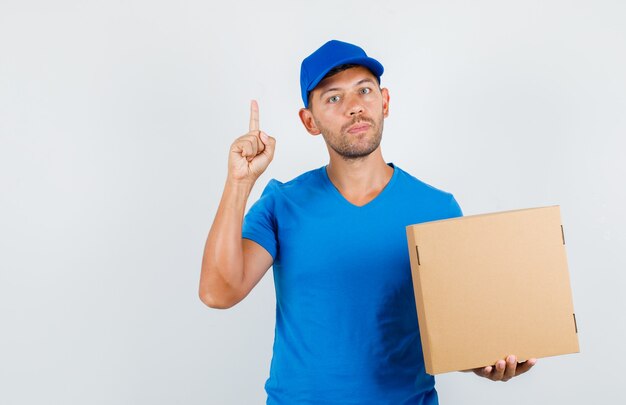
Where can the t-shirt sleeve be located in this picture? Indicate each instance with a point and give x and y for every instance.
(454, 208)
(259, 224)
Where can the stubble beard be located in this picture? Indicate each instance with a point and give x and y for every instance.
(352, 147)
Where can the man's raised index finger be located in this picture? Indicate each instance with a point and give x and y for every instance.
(254, 116)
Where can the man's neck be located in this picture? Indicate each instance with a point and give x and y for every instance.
(359, 180)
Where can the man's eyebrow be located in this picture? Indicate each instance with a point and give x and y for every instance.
(366, 80)
(360, 82)
(329, 90)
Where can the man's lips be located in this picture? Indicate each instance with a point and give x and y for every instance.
(358, 127)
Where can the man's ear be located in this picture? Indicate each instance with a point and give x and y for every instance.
(385, 93)
(307, 120)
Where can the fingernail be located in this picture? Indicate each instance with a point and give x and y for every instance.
(264, 137)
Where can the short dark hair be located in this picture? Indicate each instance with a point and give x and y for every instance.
(339, 69)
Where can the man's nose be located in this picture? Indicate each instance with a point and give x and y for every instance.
(355, 106)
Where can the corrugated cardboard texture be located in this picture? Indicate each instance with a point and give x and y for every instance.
(491, 285)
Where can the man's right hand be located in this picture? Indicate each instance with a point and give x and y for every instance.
(251, 153)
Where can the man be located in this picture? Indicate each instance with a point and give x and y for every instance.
(346, 323)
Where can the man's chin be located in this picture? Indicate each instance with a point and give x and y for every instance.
(356, 154)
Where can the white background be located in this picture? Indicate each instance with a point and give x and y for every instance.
(115, 122)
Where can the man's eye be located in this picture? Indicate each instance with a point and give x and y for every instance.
(366, 90)
(333, 99)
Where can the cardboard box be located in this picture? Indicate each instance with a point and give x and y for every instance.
(487, 286)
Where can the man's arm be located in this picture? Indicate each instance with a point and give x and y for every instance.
(231, 265)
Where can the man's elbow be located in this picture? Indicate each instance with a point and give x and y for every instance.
(216, 302)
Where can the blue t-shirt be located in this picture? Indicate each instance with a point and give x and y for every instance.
(346, 322)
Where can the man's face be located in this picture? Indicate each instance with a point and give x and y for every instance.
(348, 109)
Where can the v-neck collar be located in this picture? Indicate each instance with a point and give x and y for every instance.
(329, 184)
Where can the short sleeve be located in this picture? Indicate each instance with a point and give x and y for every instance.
(259, 224)
(455, 208)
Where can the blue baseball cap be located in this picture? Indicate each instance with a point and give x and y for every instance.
(332, 54)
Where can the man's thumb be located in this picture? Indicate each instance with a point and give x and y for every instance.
(269, 142)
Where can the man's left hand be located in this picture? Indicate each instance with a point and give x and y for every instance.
(505, 370)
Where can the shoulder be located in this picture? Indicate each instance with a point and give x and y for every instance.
(411, 182)
(419, 193)
(303, 183)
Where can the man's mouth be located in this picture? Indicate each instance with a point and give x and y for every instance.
(358, 127)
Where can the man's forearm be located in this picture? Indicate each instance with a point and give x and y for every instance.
(222, 272)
